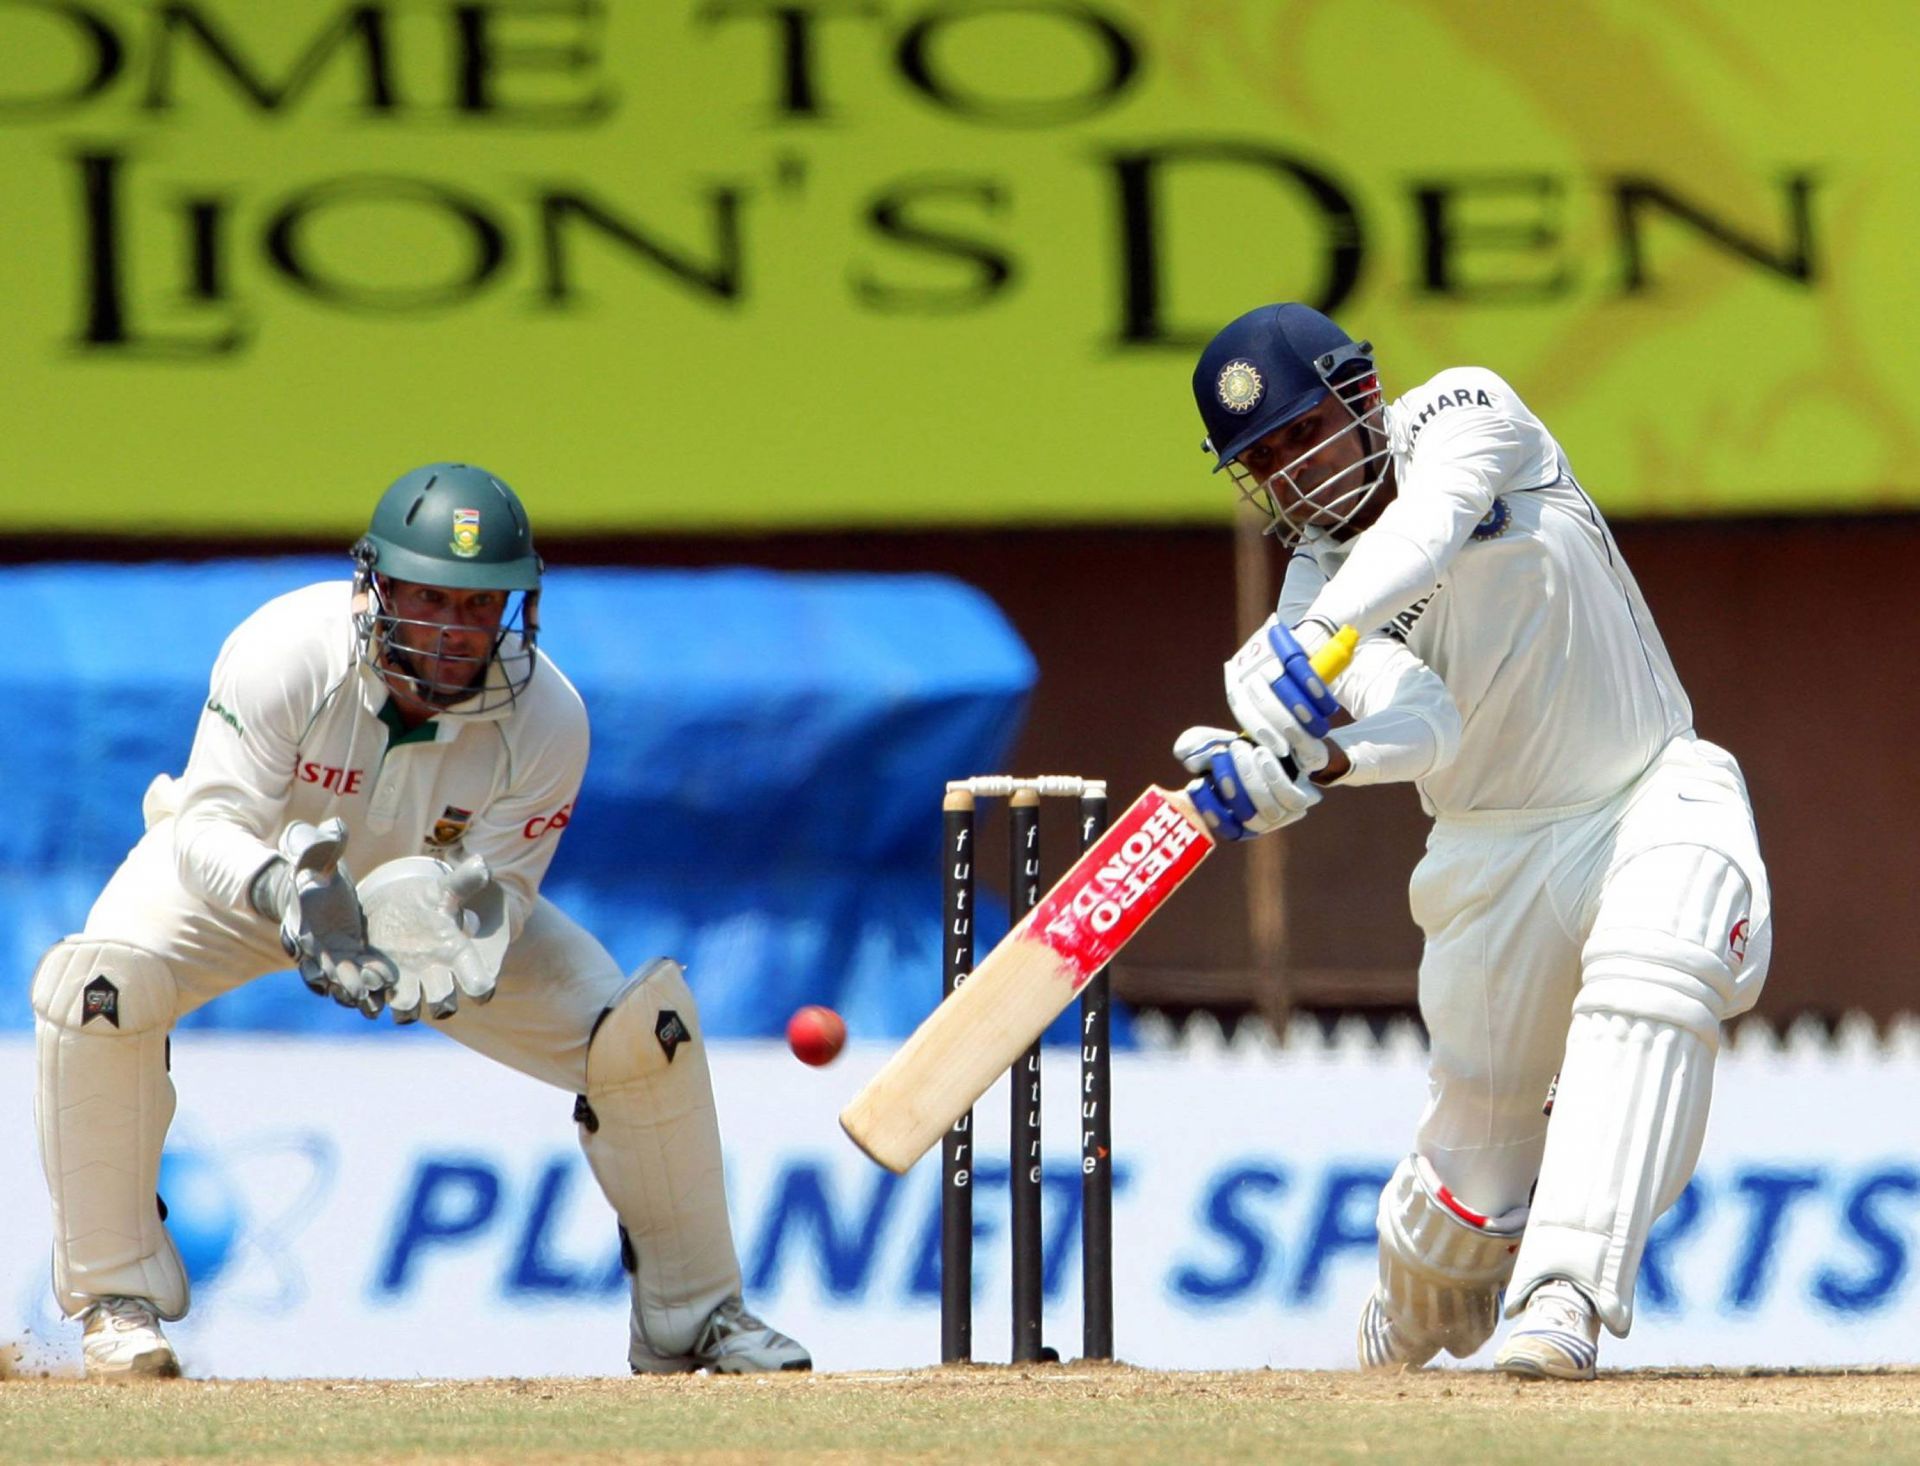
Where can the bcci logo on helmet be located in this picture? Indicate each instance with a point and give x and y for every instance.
(466, 533)
(1240, 386)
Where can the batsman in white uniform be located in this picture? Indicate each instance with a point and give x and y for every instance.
(405, 714)
(1592, 896)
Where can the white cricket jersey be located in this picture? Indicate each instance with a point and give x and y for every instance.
(292, 730)
(1494, 569)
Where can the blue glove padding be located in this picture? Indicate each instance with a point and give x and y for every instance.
(1222, 803)
(1299, 686)
(1219, 818)
(1243, 790)
(1281, 702)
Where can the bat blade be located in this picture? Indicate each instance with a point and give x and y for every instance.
(1008, 1000)
(1025, 982)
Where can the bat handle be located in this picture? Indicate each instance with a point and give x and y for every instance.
(1332, 659)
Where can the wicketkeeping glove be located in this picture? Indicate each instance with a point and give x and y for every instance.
(1279, 698)
(428, 927)
(1243, 790)
(321, 925)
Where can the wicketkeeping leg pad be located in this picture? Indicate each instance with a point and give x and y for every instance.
(652, 1137)
(1441, 1263)
(102, 1107)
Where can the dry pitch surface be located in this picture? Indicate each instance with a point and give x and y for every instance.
(1058, 1413)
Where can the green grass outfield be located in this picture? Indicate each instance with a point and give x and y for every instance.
(1071, 1413)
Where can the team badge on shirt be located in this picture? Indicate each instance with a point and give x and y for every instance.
(451, 825)
(466, 533)
(1495, 524)
(1240, 387)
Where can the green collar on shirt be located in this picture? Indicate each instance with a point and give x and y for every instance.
(397, 730)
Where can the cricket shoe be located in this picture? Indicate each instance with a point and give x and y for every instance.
(1557, 1335)
(121, 1339)
(732, 1341)
(1382, 1345)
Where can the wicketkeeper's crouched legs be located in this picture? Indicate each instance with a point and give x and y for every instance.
(633, 1051)
(1680, 943)
(650, 1133)
(102, 1106)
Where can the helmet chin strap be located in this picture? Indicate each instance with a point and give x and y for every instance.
(396, 662)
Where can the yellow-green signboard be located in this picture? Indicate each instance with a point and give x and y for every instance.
(764, 263)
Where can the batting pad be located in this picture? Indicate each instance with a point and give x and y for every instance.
(1669, 957)
(1628, 1118)
(103, 1104)
(653, 1140)
(1441, 1263)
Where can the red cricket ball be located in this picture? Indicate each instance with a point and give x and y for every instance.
(816, 1034)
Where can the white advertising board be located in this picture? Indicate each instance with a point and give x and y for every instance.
(412, 1210)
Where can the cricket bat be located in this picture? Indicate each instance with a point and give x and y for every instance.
(1023, 984)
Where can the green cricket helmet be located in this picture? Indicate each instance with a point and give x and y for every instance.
(456, 526)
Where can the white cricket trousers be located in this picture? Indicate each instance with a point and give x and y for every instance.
(1508, 900)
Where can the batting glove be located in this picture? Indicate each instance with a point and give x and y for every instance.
(1279, 698)
(1243, 790)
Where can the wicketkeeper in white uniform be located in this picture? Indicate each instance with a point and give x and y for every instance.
(405, 714)
(1593, 898)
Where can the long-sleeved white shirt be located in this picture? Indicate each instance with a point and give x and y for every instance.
(1509, 660)
(293, 730)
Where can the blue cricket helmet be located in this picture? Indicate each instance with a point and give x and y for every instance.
(1265, 369)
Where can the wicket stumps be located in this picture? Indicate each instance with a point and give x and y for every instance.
(1023, 797)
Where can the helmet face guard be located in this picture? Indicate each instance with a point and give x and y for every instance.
(457, 527)
(1291, 506)
(492, 680)
(1266, 369)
